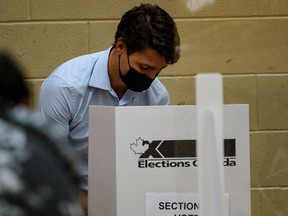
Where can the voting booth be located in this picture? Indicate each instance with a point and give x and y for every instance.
(143, 161)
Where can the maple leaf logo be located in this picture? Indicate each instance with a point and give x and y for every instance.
(140, 146)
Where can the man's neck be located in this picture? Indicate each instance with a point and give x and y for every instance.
(113, 71)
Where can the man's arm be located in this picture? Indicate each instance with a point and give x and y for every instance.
(56, 102)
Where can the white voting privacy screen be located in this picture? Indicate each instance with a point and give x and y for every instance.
(210, 151)
(142, 161)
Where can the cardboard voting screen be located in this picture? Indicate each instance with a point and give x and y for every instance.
(142, 161)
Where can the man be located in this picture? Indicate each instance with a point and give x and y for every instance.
(146, 41)
(37, 175)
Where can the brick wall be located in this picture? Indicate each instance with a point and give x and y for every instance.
(245, 40)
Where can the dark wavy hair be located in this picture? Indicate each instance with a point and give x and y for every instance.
(150, 26)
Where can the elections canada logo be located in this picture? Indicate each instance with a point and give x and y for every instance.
(175, 153)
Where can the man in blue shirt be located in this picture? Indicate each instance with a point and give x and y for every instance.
(146, 41)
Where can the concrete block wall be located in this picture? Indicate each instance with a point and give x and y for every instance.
(245, 40)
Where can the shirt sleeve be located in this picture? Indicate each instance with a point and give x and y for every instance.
(56, 101)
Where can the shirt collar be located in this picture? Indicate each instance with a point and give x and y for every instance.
(99, 77)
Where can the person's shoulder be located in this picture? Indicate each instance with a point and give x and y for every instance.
(32, 125)
(86, 58)
(78, 67)
(158, 86)
(157, 93)
(30, 148)
(11, 135)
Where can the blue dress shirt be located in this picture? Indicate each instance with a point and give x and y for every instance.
(66, 94)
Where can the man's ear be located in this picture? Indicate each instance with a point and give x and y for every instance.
(120, 46)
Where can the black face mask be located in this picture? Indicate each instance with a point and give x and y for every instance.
(134, 80)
